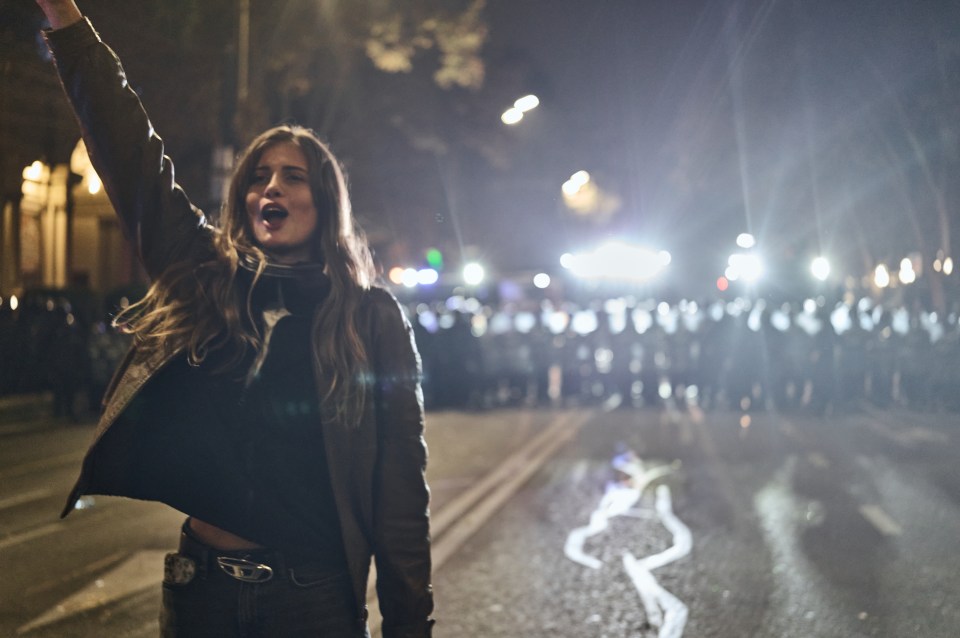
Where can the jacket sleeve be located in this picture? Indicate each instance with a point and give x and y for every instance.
(126, 152)
(401, 496)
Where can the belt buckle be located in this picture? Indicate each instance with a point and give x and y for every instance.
(245, 570)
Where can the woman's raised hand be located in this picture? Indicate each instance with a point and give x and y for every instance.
(60, 13)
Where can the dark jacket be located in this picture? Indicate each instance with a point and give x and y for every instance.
(377, 465)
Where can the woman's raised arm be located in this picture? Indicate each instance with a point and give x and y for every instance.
(155, 214)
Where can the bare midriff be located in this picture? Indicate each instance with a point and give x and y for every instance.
(219, 538)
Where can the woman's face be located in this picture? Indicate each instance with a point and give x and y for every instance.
(280, 205)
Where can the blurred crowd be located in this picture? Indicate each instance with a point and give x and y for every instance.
(808, 356)
(62, 342)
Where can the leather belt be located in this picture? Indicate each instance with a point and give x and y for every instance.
(246, 565)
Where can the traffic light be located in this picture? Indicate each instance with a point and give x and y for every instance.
(435, 258)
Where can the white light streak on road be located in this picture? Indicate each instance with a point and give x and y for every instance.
(663, 609)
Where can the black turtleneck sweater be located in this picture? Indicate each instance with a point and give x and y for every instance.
(241, 449)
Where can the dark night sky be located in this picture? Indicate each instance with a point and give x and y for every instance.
(818, 125)
(711, 118)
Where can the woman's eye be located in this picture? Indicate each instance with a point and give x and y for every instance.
(259, 179)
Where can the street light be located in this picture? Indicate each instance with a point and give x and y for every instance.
(617, 260)
(427, 276)
(410, 277)
(881, 277)
(527, 103)
(820, 268)
(473, 274)
(576, 183)
(907, 275)
(745, 266)
(515, 113)
(511, 116)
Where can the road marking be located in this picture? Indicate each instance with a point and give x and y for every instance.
(881, 520)
(506, 480)
(909, 436)
(25, 497)
(452, 525)
(453, 482)
(95, 566)
(42, 464)
(900, 437)
(663, 609)
(926, 435)
(518, 463)
(799, 588)
(463, 517)
(682, 538)
(46, 530)
(16, 539)
(8, 429)
(617, 500)
(141, 571)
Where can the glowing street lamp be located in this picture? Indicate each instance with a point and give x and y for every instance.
(473, 274)
(515, 113)
(511, 116)
(410, 277)
(527, 103)
(576, 182)
(820, 268)
(427, 276)
(617, 260)
(881, 276)
(907, 275)
(745, 266)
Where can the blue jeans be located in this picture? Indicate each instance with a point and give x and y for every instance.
(202, 600)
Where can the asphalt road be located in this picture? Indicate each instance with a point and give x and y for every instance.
(97, 573)
(576, 524)
(783, 526)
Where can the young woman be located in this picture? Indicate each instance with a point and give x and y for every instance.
(272, 394)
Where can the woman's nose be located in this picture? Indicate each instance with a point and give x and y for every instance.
(273, 187)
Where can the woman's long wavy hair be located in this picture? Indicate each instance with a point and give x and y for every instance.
(200, 308)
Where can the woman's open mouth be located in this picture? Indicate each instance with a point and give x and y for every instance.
(273, 214)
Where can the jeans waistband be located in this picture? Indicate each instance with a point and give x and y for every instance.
(209, 559)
